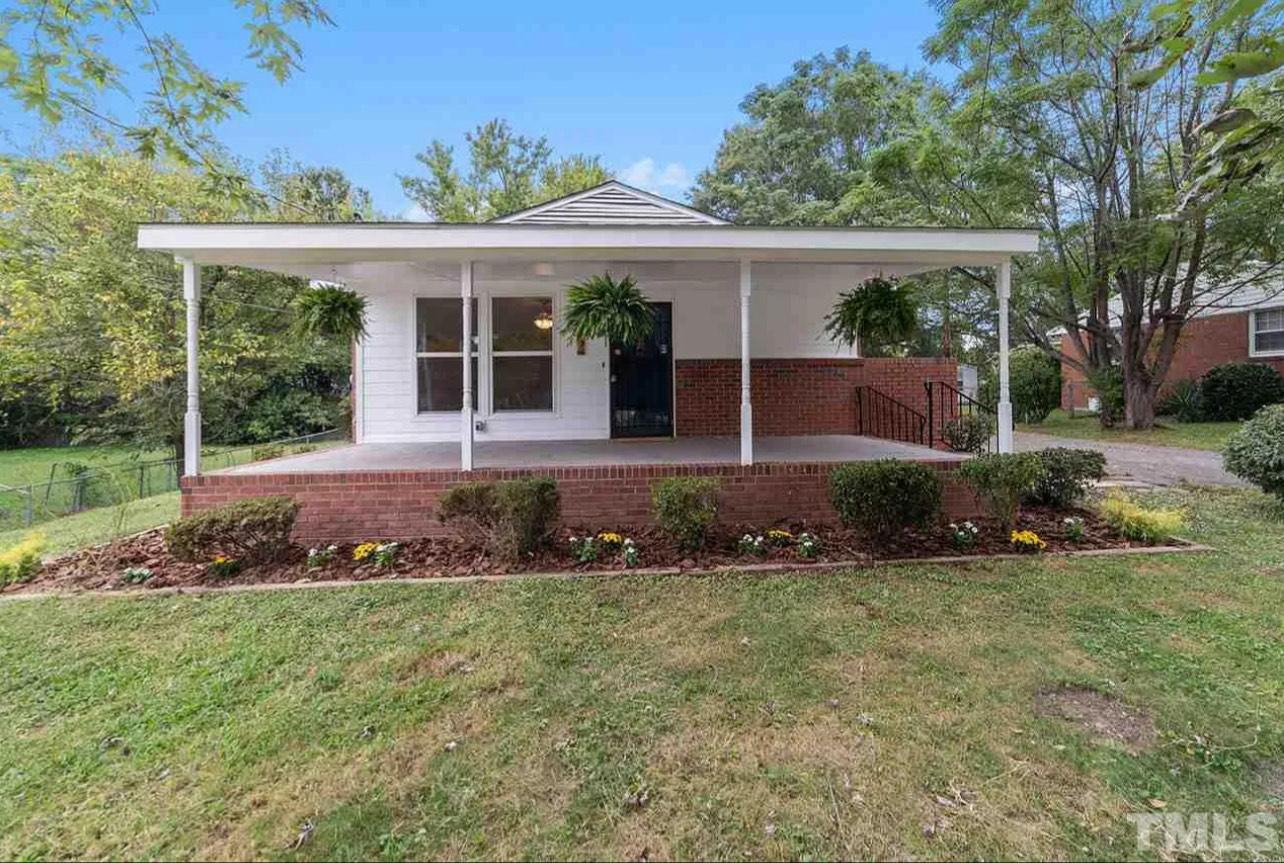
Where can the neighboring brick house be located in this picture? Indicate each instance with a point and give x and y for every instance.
(1247, 326)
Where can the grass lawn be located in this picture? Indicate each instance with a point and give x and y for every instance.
(1169, 432)
(101, 525)
(883, 713)
(32, 464)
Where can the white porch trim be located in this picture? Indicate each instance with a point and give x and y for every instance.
(746, 405)
(466, 423)
(192, 419)
(1004, 289)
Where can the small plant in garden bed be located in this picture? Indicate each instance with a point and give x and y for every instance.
(611, 541)
(223, 566)
(1066, 475)
(808, 546)
(22, 561)
(753, 545)
(515, 517)
(583, 549)
(630, 553)
(1074, 528)
(319, 558)
(884, 497)
(255, 530)
(964, 535)
(779, 538)
(1027, 541)
(381, 554)
(1000, 481)
(1140, 523)
(136, 575)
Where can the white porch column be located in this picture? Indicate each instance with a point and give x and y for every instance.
(1004, 286)
(466, 422)
(746, 407)
(192, 419)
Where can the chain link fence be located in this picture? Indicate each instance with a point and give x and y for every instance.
(73, 487)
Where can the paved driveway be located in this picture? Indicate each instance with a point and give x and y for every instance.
(1153, 465)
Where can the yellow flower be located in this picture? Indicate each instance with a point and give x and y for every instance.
(779, 535)
(364, 550)
(1027, 540)
(610, 537)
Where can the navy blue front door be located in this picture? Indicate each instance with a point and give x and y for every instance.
(642, 381)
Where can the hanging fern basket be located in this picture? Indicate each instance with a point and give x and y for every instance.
(602, 308)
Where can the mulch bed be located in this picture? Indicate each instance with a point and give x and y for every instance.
(101, 568)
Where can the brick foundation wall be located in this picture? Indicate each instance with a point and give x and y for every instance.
(796, 397)
(403, 504)
(1204, 343)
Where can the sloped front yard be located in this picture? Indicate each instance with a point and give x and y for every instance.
(1016, 708)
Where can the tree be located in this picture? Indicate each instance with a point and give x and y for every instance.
(1055, 85)
(55, 63)
(93, 328)
(506, 173)
(313, 193)
(846, 141)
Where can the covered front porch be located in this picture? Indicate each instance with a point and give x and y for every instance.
(538, 455)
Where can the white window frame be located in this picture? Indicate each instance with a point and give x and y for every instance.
(456, 355)
(1252, 333)
(553, 353)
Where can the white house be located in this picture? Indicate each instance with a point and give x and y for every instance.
(464, 369)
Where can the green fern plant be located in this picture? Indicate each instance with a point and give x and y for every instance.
(602, 308)
(331, 312)
(881, 311)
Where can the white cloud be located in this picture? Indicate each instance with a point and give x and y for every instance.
(415, 213)
(646, 174)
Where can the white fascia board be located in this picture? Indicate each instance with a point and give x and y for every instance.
(251, 243)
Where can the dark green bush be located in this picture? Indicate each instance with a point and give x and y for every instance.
(254, 530)
(1183, 402)
(1000, 480)
(968, 433)
(1236, 391)
(1035, 384)
(1256, 451)
(516, 517)
(883, 497)
(1066, 475)
(685, 507)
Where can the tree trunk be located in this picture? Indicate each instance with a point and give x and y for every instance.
(1139, 404)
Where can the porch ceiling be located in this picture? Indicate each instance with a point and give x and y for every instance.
(591, 453)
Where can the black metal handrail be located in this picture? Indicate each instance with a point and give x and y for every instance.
(947, 402)
(880, 415)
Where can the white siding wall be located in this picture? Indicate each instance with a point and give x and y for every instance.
(788, 307)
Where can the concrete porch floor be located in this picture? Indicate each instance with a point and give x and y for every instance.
(591, 453)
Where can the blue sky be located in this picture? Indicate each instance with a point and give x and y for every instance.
(649, 88)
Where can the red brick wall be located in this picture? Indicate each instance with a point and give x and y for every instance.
(796, 397)
(1204, 343)
(402, 504)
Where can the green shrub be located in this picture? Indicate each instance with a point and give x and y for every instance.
(1000, 480)
(1236, 391)
(685, 507)
(263, 453)
(968, 433)
(1256, 451)
(1035, 384)
(254, 530)
(516, 517)
(1183, 401)
(1140, 523)
(883, 497)
(22, 561)
(1066, 475)
(1109, 385)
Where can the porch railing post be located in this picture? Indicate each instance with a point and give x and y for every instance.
(931, 416)
(1004, 290)
(746, 407)
(466, 422)
(192, 419)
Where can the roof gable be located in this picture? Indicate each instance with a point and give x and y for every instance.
(611, 203)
